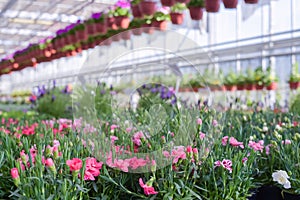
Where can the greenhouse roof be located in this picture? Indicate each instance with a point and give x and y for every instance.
(28, 21)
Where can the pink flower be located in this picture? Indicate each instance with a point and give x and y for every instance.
(14, 173)
(49, 162)
(199, 121)
(75, 164)
(217, 163)
(268, 149)
(135, 162)
(214, 122)
(195, 150)
(92, 169)
(113, 127)
(178, 153)
(286, 142)
(256, 146)
(189, 149)
(113, 139)
(227, 164)
(224, 140)
(121, 164)
(233, 142)
(147, 189)
(202, 135)
(128, 130)
(137, 138)
(244, 160)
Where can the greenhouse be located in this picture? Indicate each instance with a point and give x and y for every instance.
(150, 99)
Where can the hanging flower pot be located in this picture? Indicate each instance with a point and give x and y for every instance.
(251, 1)
(212, 5)
(272, 86)
(230, 3)
(250, 86)
(177, 18)
(161, 25)
(147, 7)
(90, 29)
(122, 21)
(111, 23)
(196, 13)
(125, 35)
(294, 85)
(259, 87)
(135, 9)
(81, 35)
(148, 28)
(100, 27)
(167, 3)
(71, 38)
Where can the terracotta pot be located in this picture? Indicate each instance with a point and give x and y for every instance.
(177, 18)
(90, 29)
(147, 7)
(122, 22)
(111, 23)
(230, 87)
(147, 28)
(126, 35)
(137, 31)
(167, 3)
(71, 39)
(294, 85)
(47, 53)
(135, 9)
(272, 86)
(81, 35)
(259, 87)
(196, 13)
(230, 3)
(85, 46)
(183, 1)
(100, 27)
(251, 1)
(240, 87)
(212, 5)
(250, 86)
(161, 25)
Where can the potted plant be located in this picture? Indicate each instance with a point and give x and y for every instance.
(160, 18)
(176, 13)
(147, 25)
(196, 9)
(230, 81)
(259, 78)
(135, 8)
(100, 23)
(212, 5)
(250, 80)
(135, 26)
(147, 7)
(81, 33)
(294, 80)
(270, 80)
(251, 1)
(167, 3)
(230, 3)
(121, 14)
(240, 84)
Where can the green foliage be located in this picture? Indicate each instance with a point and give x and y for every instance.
(295, 75)
(197, 3)
(295, 104)
(230, 79)
(160, 16)
(178, 8)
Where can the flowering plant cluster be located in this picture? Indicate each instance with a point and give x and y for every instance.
(165, 151)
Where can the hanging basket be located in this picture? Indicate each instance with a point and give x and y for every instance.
(196, 13)
(177, 18)
(147, 7)
(71, 38)
(251, 1)
(259, 87)
(161, 25)
(167, 3)
(135, 9)
(250, 86)
(230, 3)
(122, 22)
(212, 6)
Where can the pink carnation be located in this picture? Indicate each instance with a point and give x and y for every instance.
(233, 142)
(257, 146)
(225, 140)
(147, 189)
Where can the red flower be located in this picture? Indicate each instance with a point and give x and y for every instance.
(75, 164)
(147, 189)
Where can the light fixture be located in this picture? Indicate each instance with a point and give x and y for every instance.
(31, 21)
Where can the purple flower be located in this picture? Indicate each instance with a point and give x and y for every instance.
(96, 15)
(123, 4)
(102, 92)
(153, 90)
(53, 98)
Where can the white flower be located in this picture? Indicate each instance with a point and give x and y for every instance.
(278, 127)
(281, 177)
(265, 129)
